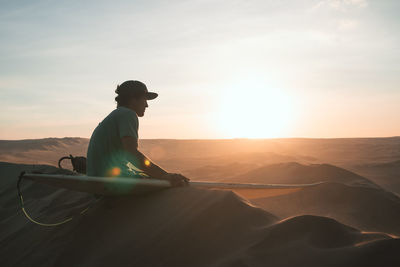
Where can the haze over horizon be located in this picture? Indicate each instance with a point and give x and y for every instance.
(260, 69)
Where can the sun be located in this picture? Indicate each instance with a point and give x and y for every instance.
(251, 109)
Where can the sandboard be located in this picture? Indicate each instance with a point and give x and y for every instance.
(132, 186)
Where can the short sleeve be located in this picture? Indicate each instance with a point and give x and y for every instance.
(128, 124)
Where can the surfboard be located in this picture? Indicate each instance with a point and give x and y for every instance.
(130, 186)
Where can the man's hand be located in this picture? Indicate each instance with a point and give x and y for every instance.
(177, 179)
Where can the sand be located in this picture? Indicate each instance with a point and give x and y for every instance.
(387, 174)
(293, 172)
(367, 209)
(350, 222)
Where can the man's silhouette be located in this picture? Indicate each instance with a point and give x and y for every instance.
(113, 148)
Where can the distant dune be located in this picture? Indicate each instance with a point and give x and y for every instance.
(340, 152)
(42, 151)
(385, 174)
(295, 173)
(177, 227)
(41, 144)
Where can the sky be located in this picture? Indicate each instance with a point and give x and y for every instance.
(223, 69)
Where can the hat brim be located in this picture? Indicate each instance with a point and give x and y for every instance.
(151, 95)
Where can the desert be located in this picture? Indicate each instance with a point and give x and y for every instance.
(347, 220)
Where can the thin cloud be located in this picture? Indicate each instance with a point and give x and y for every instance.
(341, 5)
(347, 24)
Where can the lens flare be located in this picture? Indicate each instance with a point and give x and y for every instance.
(147, 162)
(114, 172)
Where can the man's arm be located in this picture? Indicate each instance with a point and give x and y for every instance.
(130, 144)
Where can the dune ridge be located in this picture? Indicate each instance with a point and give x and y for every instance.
(386, 174)
(296, 173)
(42, 151)
(366, 208)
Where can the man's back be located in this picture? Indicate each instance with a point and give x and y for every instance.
(105, 156)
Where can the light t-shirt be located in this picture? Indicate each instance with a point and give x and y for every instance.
(105, 156)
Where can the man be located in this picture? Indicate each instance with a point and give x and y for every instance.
(113, 147)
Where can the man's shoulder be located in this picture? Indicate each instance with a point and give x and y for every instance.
(123, 112)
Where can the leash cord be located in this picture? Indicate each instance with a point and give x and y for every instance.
(21, 199)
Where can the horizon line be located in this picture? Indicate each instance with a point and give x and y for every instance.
(215, 139)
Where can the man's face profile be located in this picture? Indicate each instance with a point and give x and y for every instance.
(139, 105)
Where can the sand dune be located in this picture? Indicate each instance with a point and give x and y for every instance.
(226, 165)
(218, 172)
(319, 241)
(177, 227)
(295, 173)
(340, 151)
(42, 151)
(366, 208)
(40, 144)
(385, 174)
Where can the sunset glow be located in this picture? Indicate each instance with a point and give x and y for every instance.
(252, 109)
(253, 69)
